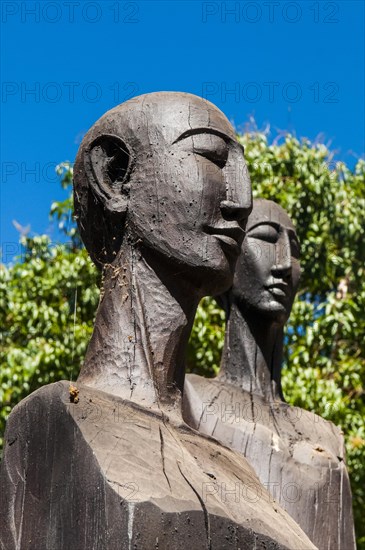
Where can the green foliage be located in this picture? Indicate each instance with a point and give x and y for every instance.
(61, 211)
(325, 346)
(41, 297)
(207, 339)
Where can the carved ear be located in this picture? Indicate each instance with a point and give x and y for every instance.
(109, 163)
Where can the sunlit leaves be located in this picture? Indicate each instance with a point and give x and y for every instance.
(325, 339)
(40, 341)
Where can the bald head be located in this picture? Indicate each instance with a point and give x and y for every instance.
(266, 211)
(162, 172)
(121, 144)
(151, 117)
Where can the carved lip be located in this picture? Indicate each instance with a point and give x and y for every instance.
(230, 235)
(279, 289)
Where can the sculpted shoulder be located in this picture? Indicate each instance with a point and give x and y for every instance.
(213, 407)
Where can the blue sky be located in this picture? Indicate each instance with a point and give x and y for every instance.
(297, 66)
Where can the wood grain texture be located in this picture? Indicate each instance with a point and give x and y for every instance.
(297, 455)
(106, 474)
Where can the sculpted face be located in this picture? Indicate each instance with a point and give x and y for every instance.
(268, 271)
(186, 193)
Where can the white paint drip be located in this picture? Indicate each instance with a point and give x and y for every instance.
(130, 523)
(275, 442)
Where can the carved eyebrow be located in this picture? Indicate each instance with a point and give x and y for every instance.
(272, 224)
(194, 131)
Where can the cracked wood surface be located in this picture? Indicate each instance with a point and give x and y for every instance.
(298, 456)
(105, 473)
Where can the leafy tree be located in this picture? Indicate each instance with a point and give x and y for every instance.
(48, 303)
(50, 297)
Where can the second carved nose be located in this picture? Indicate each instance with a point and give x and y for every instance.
(283, 271)
(232, 210)
(283, 264)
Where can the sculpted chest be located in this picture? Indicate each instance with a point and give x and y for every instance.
(297, 455)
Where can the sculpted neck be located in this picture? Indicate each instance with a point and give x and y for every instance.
(252, 355)
(143, 323)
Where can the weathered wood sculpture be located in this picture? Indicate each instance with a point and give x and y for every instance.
(161, 196)
(298, 456)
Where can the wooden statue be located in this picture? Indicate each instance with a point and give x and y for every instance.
(162, 196)
(298, 456)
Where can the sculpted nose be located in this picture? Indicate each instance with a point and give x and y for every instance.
(238, 200)
(283, 264)
(237, 211)
(282, 271)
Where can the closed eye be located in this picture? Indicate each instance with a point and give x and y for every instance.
(219, 158)
(208, 145)
(212, 147)
(264, 232)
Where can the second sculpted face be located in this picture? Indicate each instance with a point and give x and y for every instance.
(268, 271)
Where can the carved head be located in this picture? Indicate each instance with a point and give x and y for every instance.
(165, 172)
(268, 270)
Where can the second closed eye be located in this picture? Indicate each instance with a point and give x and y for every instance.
(264, 232)
(270, 234)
